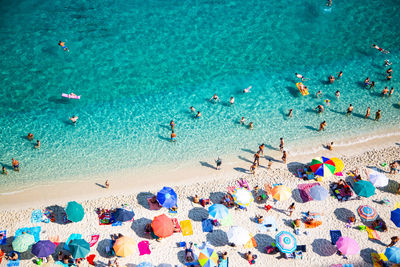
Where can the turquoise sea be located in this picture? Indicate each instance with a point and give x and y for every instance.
(139, 64)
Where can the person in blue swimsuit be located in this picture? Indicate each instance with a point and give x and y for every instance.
(62, 44)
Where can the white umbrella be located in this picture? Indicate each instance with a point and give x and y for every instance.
(378, 179)
(238, 235)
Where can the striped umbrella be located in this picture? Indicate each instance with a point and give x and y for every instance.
(208, 257)
(393, 254)
(339, 166)
(242, 197)
(323, 167)
(286, 242)
(218, 211)
(238, 235)
(364, 188)
(347, 246)
(395, 217)
(281, 192)
(367, 213)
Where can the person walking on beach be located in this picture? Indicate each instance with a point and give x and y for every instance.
(340, 75)
(337, 94)
(291, 209)
(107, 184)
(257, 159)
(284, 157)
(349, 110)
(219, 163)
(322, 126)
(378, 115)
(253, 168)
(214, 98)
(173, 136)
(290, 113)
(261, 149)
(368, 113)
(394, 240)
(281, 144)
(15, 164)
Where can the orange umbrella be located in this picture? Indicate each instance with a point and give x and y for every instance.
(124, 246)
(162, 226)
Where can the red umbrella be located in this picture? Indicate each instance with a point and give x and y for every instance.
(162, 226)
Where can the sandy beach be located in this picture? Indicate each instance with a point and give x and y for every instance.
(206, 182)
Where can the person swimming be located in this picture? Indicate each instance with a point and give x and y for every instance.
(242, 121)
(368, 113)
(319, 93)
(30, 136)
(290, 113)
(328, 102)
(62, 44)
(329, 3)
(391, 91)
(340, 75)
(198, 115)
(74, 119)
(232, 100)
(380, 49)
(337, 94)
(385, 91)
(301, 77)
(37, 144)
(331, 79)
(320, 108)
(192, 109)
(214, 98)
(247, 90)
(366, 82)
(387, 62)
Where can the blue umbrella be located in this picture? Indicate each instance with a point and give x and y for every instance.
(145, 264)
(286, 242)
(364, 188)
(393, 254)
(43, 248)
(218, 211)
(79, 248)
(318, 192)
(395, 217)
(123, 215)
(167, 197)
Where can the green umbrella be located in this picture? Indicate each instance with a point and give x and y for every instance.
(22, 242)
(79, 248)
(74, 211)
(364, 188)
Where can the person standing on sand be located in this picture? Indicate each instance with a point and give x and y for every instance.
(282, 143)
(257, 159)
(378, 115)
(261, 149)
(394, 240)
(107, 184)
(219, 163)
(322, 126)
(368, 113)
(291, 209)
(284, 157)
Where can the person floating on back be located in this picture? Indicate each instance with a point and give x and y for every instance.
(62, 44)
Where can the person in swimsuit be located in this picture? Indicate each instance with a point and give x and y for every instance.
(378, 115)
(340, 75)
(384, 91)
(232, 100)
(15, 164)
(30, 136)
(281, 144)
(349, 110)
(257, 159)
(329, 3)
(251, 126)
(4, 172)
(337, 94)
(331, 79)
(291, 209)
(300, 76)
(328, 102)
(247, 90)
(284, 157)
(368, 113)
(372, 85)
(322, 126)
(261, 149)
(173, 136)
(387, 62)
(320, 108)
(389, 71)
(366, 82)
(389, 77)
(62, 44)
(290, 113)
(380, 49)
(253, 168)
(172, 124)
(319, 93)
(192, 109)
(73, 119)
(37, 144)
(214, 98)
(242, 121)
(219, 163)
(391, 91)
(198, 115)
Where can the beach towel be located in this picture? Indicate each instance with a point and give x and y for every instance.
(144, 247)
(13, 263)
(55, 240)
(116, 223)
(376, 257)
(1, 255)
(304, 190)
(172, 212)
(397, 205)
(105, 218)
(36, 216)
(90, 259)
(153, 206)
(3, 241)
(335, 235)
(186, 227)
(70, 238)
(207, 225)
(176, 225)
(305, 215)
(227, 221)
(93, 240)
(312, 224)
(35, 231)
(224, 263)
(61, 263)
(372, 234)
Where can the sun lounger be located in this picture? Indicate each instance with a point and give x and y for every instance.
(335, 235)
(176, 225)
(70, 238)
(207, 226)
(153, 206)
(186, 227)
(3, 241)
(144, 247)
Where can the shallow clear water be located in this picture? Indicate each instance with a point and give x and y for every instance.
(140, 64)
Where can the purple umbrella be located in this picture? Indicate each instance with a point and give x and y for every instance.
(43, 248)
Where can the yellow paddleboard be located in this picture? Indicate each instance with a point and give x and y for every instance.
(304, 92)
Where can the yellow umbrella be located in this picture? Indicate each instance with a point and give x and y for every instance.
(339, 166)
(281, 192)
(124, 246)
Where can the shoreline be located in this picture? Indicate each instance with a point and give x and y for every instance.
(131, 181)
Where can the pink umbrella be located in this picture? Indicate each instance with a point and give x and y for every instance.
(347, 246)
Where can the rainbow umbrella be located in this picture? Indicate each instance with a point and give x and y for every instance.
(393, 254)
(242, 197)
(208, 257)
(323, 167)
(286, 242)
(124, 246)
(364, 188)
(395, 217)
(162, 226)
(281, 192)
(167, 197)
(218, 211)
(347, 246)
(339, 166)
(367, 213)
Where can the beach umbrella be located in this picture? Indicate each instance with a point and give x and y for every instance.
(318, 192)
(364, 188)
(22, 242)
(286, 242)
(323, 167)
(167, 197)
(242, 197)
(162, 226)
(339, 166)
(43, 248)
(145, 264)
(347, 246)
(238, 235)
(395, 217)
(378, 179)
(208, 257)
(393, 254)
(79, 248)
(367, 213)
(218, 211)
(281, 192)
(74, 211)
(123, 215)
(124, 246)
